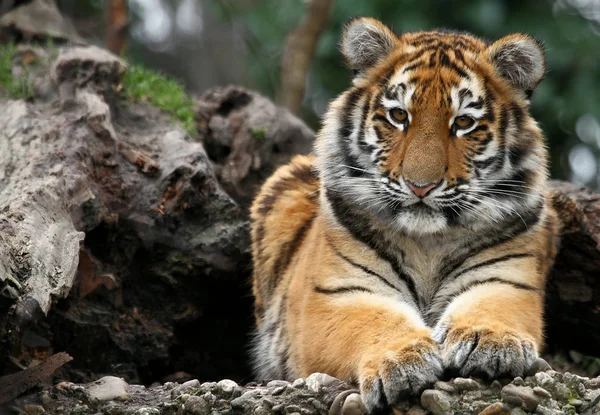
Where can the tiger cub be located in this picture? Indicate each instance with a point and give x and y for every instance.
(418, 238)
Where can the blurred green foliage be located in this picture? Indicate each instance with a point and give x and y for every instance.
(14, 86)
(570, 90)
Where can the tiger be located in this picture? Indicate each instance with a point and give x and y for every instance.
(415, 242)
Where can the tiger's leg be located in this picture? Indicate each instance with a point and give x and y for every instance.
(361, 336)
(493, 328)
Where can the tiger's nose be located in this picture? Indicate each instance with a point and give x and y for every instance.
(420, 190)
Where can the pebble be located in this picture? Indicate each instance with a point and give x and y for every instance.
(496, 385)
(318, 380)
(197, 406)
(542, 392)
(543, 410)
(520, 396)
(299, 383)
(463, 384)
(444, 386)
(576, 403)
(544, 380)
(277, 383)
(518, 381)
(561, 392)
(592, 383)
(354, 405)
(147, 411)
(107, 388)
(262, 410)
(539, 365)
(436, 402)
(229, 387)
(415, 410)
(292, 409)
(497, 408)
(187, 387)
(30, 409)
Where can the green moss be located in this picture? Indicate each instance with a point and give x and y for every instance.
(16, 87)
(167, 94)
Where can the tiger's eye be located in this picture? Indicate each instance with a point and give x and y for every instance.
(463, 122)
(398, 115)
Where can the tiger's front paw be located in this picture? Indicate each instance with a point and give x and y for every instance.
(390, 371)
(492, 352)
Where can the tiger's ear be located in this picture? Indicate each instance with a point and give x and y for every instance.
(365, 42)
(520, 59)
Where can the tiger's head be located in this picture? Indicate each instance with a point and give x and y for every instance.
(435, 131)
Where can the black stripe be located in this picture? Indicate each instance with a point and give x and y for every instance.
(517, 285)
(517, 153)
(342, 290)
(344, 134)
(490, 262)
(287, 252)
(361, 267)
(518, 226)
(476, 104)
(358, 226)
(366, 107)
(485, 163)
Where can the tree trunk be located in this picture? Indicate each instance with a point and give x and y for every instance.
(298, 54)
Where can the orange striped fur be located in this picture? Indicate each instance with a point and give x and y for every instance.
(418, 238)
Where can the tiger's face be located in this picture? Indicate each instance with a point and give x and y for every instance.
(435, 132)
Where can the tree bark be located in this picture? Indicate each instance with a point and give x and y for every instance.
(117, 26)
(298, 54)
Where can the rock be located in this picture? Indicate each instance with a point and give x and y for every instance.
(539, 365)
(543, 393)
(436, 401)
(189, 387)
(463, 384)
(229, 387)
(247, 137)
(108, 388)
(316, 381)
(497, 408)
(299, 383)
(39, 18)
(444, 386)
(520, 396)
(197, 406)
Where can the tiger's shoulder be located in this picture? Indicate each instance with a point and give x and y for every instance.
(281, 215)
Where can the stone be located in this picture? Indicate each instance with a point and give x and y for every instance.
(542, 392)
(229, 387)
(520, 396)
(197, 406)
(107, 389)
(33, 409)
(444, 386)
(544, 380)
(437, 402)
(277, 383)
(539, 365)
(318, 380)
(497, 408)
(189, 387)
(354, 405)
(299, 383)
(463, 384)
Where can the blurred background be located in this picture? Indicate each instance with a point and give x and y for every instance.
(261, 44)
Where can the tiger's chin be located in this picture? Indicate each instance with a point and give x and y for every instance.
(420, 219)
